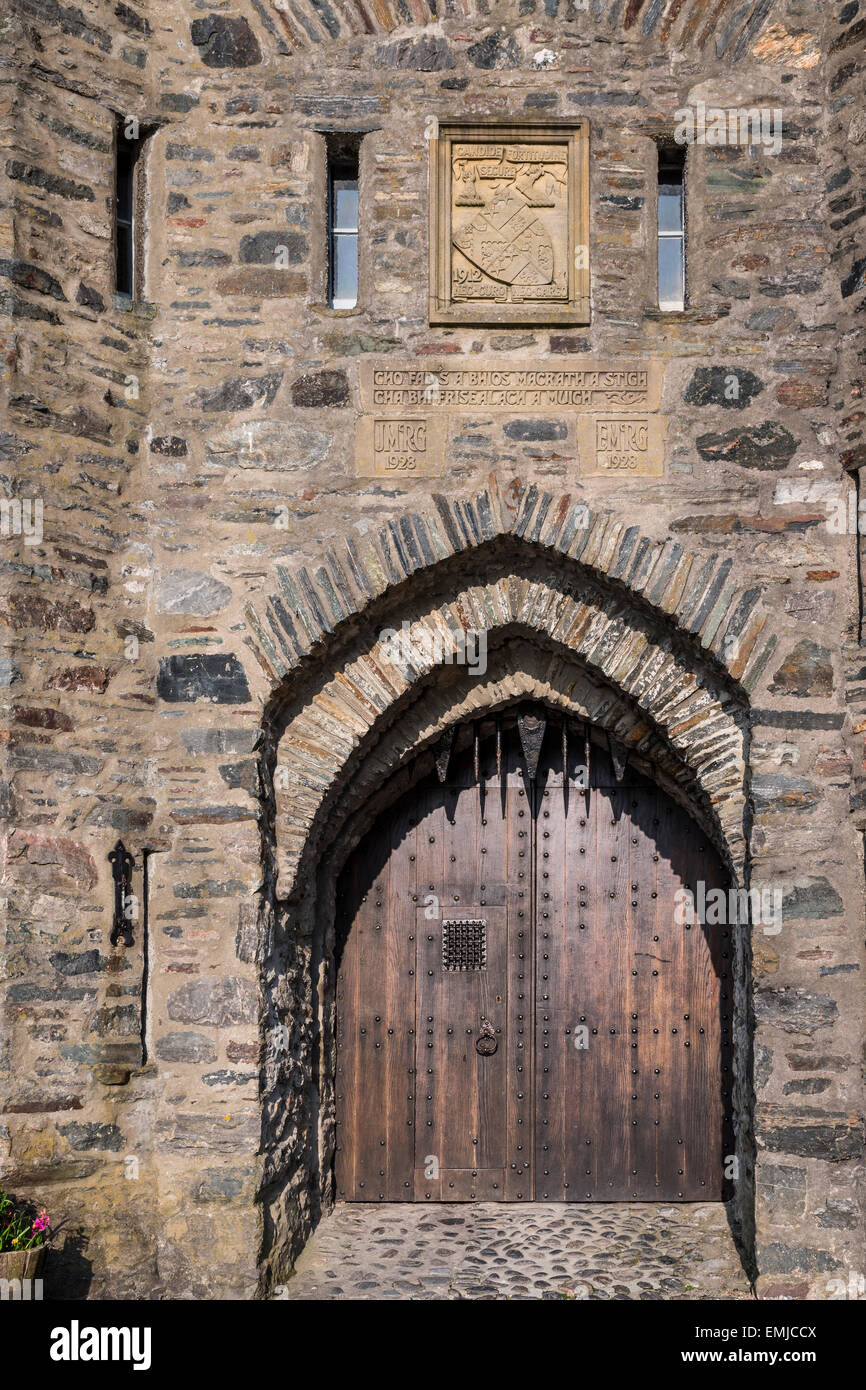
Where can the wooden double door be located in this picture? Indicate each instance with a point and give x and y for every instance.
(524, 1011)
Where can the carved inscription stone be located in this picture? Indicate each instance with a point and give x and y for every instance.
(588, 386)
(400, 445)
(509, 228)
(409, 409)
(621, 445)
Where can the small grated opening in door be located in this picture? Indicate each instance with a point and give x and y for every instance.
(464, 944)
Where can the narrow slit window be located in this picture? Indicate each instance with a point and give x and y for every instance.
(343, 228)
(126, 201)
(672, 228)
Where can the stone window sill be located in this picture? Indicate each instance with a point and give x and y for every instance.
(140, 308)
(338, 313)
(687, 315)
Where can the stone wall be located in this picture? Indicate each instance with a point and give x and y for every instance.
(195, 456)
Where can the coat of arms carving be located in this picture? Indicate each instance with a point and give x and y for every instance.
(508, 222)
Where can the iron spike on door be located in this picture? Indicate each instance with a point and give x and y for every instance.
(618, 756)
(531, 728)
(443, 752)
(565, 763)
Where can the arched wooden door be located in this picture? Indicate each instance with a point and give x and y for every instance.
(522, 1011)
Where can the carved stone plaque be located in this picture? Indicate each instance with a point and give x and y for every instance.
(621, 446)
(411, 409)
(544, 387)
(401, 446)
(509, 224)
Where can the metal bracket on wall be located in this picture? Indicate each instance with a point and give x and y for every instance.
(122, 864)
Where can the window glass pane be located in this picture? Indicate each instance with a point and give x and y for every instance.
(124, 190)
(123, 262)
(345, 271)
(126, 154)
(671, 286)
(670, 208)
(345, 204)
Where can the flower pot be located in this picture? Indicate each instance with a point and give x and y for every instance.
(22, 1264)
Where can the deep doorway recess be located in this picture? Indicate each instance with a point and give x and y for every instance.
(525, 1009)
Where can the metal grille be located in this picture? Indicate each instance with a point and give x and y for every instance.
(464, 944)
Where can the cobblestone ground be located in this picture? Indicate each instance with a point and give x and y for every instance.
(499, 1251)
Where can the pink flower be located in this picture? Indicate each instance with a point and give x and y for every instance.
(42, 1222)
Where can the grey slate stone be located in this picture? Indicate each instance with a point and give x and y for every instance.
(241, 393)
(795, 1010)
(540, 430)
(495, 51)
(185, 1047)
(715, 385)
(226, 41)
(321, 389)
(221, 1003)
(92, 1136)
(190, 591)
(203, 676)
(768, 446)
(260, 248)
(429, 53)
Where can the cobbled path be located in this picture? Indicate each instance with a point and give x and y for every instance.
(500, 1251)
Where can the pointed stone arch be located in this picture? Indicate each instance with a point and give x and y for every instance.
(670, 633)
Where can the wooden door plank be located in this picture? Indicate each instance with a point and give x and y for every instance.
(515, 796)
(644, 992)
(430, 878)
(394, 1020)
(556, 991)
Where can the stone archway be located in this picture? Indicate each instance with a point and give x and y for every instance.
(345, 732)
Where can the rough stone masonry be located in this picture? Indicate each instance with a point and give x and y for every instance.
(217, 493)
